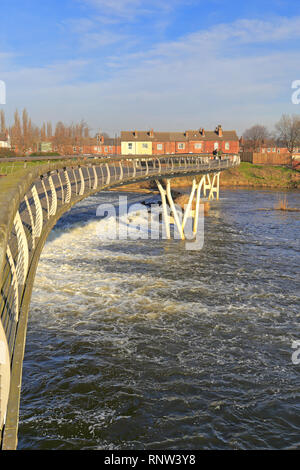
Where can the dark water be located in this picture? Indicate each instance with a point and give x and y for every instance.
(146, 345)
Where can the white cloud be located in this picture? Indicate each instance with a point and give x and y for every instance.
(130, 8)
(205, 78)
(95, 40)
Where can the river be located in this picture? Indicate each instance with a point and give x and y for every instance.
(143, 344)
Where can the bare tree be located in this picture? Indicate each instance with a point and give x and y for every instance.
(26, 137)
(49, 130)
(2, 122)
(16, 132)
(256, 135)
(288, 131)
(43, 132)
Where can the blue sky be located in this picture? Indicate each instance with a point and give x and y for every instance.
(172, 65)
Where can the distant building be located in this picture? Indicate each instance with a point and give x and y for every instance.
(5, 140)
(45, 147)
(190, 141)
(108, 145)
(273, 147)
(136, 142)
(268, 153)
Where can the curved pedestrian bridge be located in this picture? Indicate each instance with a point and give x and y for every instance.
(31, 202)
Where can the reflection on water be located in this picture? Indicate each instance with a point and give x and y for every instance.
(145, 345)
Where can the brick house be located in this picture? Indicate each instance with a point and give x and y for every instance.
(108, 145)
(203, 141)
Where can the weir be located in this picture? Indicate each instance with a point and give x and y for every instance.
(33, 200)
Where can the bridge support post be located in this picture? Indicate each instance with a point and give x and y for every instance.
(214, 187)
(207, 184)
(174, 211)
(166, 194)
(197, 208)
(165, 208)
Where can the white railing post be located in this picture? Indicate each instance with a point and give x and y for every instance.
(82, 182)
(68, 195)
(108, 174)
(38, 225)
(23, 253)
(46, 196)
(53, 207)
(95, 178)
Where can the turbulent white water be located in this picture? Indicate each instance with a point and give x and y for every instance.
(144, 344)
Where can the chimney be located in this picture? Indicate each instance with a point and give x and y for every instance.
(102, 139)
(151, 133)
(135, 133)
(202, 132)
(219, 130)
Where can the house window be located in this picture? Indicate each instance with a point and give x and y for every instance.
(105, 149)
(216, 146)
(198, 146)
(278, 150)
(74, 149)
(274, 149)
(145, 146)
(159, 146)
(269, 150)
(227, 145)
(181, 146)
(263, 150)
(130, 146)
(110, 148)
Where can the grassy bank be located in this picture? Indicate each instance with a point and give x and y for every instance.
(246, 175)
(261, 176)
(7, 168)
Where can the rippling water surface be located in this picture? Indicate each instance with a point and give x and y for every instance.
(146, 345)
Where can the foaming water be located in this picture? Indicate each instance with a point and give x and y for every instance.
(141, 344)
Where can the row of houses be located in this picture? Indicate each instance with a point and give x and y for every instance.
(152, 143)
(161, 143)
